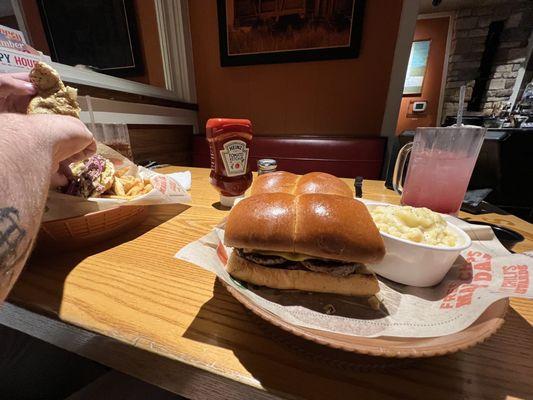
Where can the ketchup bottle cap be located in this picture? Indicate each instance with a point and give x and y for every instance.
(228, 201)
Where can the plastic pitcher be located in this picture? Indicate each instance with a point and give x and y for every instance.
(440, 167)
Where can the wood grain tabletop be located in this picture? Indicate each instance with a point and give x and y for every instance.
(172, 324)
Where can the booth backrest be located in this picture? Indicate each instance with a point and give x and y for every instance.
(340, 156)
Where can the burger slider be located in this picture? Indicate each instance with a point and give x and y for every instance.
(312, 242)
(313, 182)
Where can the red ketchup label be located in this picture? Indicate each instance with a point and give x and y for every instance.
(229, 142)
(235, 157)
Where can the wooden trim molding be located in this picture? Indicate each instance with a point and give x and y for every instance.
(118, 95)
(78, 77)
(104, 117)
(404, 39)
(176, 47)
(122, 112)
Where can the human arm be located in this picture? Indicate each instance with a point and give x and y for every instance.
(32, 147)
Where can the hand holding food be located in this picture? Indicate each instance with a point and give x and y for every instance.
(65, 139)
(53, 97)
(15, 92)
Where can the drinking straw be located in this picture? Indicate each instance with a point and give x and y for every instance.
(91, 113)
(461, 105)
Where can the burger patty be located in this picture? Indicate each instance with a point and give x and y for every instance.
(330, 267)
(262, 259)
(335, 270)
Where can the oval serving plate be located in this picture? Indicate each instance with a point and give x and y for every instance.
(488, 323)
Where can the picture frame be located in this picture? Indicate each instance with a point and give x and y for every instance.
(101, 34)
(416, 68)
(332, 30)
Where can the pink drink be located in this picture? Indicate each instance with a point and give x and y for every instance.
(442, 160)
(446, 172)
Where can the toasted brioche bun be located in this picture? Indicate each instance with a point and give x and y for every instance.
(318, 225)
(278, 278)
(286, 182)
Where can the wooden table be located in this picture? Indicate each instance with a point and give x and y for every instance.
(130, 305)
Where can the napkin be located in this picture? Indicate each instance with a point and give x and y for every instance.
(183, 178)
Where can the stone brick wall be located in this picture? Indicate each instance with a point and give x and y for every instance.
(468, 43)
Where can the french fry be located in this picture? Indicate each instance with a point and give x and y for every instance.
(127, 182)
(135, 190)
(128, 186)
(147, 189)
(118, 187)
(121, 172)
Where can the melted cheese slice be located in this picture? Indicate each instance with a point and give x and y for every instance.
(286, 255)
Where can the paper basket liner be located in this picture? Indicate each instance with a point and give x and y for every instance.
(165, 190)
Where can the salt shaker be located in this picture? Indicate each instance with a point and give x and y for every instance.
(266, 165)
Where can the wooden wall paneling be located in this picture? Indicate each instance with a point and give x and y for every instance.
(166, 144)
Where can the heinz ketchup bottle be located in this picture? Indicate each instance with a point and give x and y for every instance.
(229, 143)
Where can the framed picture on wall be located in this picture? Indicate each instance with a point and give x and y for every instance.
(416, 69)
(101, 34)
(282, 31)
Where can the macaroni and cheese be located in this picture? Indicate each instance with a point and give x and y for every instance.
(419, 225)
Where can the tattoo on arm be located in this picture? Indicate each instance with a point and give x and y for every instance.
(11, 236)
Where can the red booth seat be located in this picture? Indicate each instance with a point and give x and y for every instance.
(340, 156)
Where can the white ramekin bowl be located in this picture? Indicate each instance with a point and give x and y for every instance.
(418, 264)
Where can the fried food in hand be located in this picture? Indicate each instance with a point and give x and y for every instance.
(53, 97)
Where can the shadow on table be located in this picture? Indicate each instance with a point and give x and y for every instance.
(496, 369)
(342, 306)
(54, 266)
(499, 368)
(232, 326)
